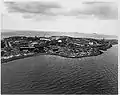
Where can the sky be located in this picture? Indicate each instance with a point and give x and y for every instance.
(84, 16)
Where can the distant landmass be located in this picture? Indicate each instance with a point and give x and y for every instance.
(7, 33)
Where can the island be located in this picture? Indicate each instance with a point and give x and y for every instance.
(17, 47)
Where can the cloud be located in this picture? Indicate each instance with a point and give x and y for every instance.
(100, 10)
(49, 10)
(31, 7)
(97, 2)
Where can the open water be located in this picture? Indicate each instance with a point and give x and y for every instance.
(54, 74)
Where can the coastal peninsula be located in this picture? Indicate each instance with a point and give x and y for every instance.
(17, 47)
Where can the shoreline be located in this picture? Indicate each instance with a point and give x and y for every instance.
(22, 57)
(20, 47)
(33, 55)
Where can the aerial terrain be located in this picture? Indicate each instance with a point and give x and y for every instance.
(16, 47)
(58, 63)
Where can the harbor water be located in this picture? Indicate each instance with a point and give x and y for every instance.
(54, 74)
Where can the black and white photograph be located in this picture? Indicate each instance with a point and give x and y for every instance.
(59, 47)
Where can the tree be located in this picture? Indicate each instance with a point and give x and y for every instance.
(2, 44)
